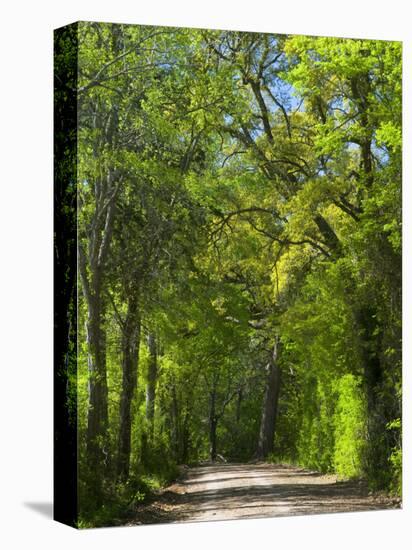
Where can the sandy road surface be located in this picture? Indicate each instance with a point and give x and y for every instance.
(230, 491)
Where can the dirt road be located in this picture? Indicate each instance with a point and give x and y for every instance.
(230, 491)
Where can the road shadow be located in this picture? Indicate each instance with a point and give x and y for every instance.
(220, 492)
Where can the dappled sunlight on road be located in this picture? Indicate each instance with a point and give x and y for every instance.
(231, 491)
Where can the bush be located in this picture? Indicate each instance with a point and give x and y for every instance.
(350, 425)
(396, 462)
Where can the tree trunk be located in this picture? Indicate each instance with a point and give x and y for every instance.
(213, 439)
(328, 234)
(213, 426)
(97, 452)
(98, 239)
(239, 405)
(130, 361)
(185, 436)
(175, 428)
(361, 87)
(270, 406)
(150, 396)
(379, 447)
(151, 381)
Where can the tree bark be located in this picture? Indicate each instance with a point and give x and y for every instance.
(213, 439)
(270, 406)
(213, 420)
(328, 235)
(97, 418)
(185, 436)
(361, 88)
(147, 434)
(379, 447)
(175, 428)
(130, 362)
(99, 238)
(238, 405)
(151, 381)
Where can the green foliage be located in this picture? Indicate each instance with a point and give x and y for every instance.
(350, 427)
(396, 462)
(256, 189)
(395, 458)
(315, 438)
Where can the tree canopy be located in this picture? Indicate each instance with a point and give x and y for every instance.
(239, 246)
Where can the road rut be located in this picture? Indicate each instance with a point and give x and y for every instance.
(213, 492)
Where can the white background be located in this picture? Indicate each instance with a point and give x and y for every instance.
(26, 271)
